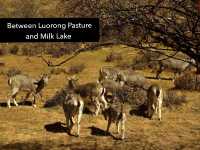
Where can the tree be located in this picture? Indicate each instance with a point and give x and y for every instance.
(174, 23)
(146, 24)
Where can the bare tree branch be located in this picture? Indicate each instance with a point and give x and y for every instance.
(75, 53)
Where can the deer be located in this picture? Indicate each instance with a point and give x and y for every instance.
(73, 107)
(94, 91)
(115, 113)
(154, 101)
(108, 73)
(176, 66)
(20, 82)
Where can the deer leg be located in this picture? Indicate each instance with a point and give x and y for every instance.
(14, 95)
(8, 103)
(14, 100)
(123, 120)
(80, 112)
(67, 119)
(34, 100)
(104, 101)
(159, 110)
(98, 105)
(40, 93)
(149, 111)
(155, 107)
(108, 126)
(71, 124)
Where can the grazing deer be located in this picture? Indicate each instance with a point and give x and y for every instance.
(133, 78)
(25, 83)
(109, 73)
(176, 66)
(94, 91)
(73, 107)
(154, 101)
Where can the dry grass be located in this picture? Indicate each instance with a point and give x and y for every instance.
(188, 81)
(75, 69)
(40, 128)
(114, 56)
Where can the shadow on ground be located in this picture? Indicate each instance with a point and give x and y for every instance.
(21, 103)
(98, 132)
(154, 78)
(139, 111)
(56, 127)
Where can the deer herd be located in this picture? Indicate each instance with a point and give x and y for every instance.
(110, 81)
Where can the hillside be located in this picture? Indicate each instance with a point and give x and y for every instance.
(25, 127)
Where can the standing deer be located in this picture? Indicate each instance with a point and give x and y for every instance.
(154, 101)
(73, 106)
(115, 113)
(25, 83)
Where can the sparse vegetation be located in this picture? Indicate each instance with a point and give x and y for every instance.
(151, 25)
(173, 99)
(57, 70)
(146, 60)
(185, 128)
(3, 52)
(75, 69)
(2, 64)
(114, 56)
(188, 81)
(14, 50)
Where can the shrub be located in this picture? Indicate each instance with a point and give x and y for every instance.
(29, 51)
(3, 52)
(113, 56)
(57, 53)
(145, 61)
(14, 50)
(74, 69)
(188, 81)
(123, 65)
(2, 64)
(133, 95)
(3, 72)
(13, 71)
(173, 99)
(57, 71)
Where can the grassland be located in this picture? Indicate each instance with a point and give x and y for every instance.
(25, 127)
